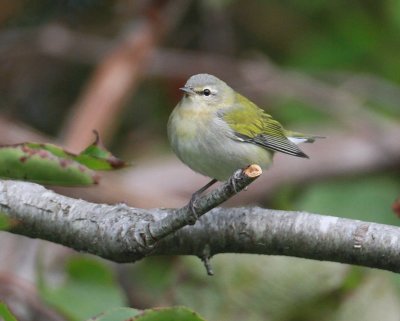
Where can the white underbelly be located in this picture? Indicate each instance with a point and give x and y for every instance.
(219, 156)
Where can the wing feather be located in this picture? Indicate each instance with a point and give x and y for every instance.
(253, 125)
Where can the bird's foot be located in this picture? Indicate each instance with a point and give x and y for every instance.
(195, 198)
(233, 179)
(192, 207)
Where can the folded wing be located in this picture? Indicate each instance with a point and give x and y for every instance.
(253, 125)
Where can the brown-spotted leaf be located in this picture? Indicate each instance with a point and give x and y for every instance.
(44, 164)
(97, 157)
(52, 165)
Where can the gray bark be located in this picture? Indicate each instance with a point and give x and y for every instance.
(111, 231)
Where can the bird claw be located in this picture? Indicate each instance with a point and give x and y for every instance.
(232, 180)
(192, 207)
(193, 200)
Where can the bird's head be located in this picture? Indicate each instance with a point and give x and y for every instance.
(208, 91)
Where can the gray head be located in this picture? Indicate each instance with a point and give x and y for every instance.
(206, 88)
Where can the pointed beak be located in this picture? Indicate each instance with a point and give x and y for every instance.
(187, 90)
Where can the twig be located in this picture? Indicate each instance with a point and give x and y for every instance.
(108, 231)
(181, 217)
(207, 265)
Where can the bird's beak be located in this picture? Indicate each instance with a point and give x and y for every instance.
(187, 90)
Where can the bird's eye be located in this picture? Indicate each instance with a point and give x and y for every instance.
(206, 92)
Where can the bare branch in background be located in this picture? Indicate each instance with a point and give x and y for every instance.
(257, 77)
(117, 75)
(12, 132)
(24, 299)
(261, 77)
(109, 231)
(254, 77)
(367, 87)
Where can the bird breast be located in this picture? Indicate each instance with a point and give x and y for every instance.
(206, 143)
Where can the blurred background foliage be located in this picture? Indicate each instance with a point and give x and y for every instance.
(50, 52)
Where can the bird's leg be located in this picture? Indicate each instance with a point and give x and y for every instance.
(195, 196)
(234, 177)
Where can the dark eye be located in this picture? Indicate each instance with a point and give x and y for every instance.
(206, 92)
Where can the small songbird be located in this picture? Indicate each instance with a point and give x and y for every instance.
(215, 130)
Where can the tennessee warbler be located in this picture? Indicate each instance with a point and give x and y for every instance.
(215, 130)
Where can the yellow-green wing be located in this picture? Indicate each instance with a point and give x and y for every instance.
(253, 125)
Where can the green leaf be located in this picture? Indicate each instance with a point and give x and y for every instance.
(90, 287)
(40, 163)
(117, 314)
(393, 13)
(5, 313)
(97, 157)
(169, 314)
(5, 221)
(292, 112)
(50, 164)
(376, 298)
(281, 288)
(364, 198)
(156, 314)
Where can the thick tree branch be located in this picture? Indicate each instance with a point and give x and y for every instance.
(109, 231)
